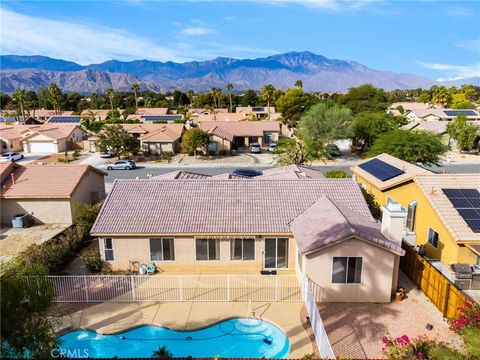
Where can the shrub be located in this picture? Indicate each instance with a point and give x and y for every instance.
(468, 318)
(372, 204)
(64, 159)
(336, 174)
(76, 153)
(165, 155)
(92, 259)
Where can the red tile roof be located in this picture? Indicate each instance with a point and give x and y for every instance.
(243, 128)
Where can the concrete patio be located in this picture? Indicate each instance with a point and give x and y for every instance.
(108, 318)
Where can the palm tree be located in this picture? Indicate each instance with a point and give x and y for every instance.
(267, 95)
(162, 353)
(20, 97)
(54, 95)
(229, 88)
(299, 84)
(216, 93)
(190, 95)
(136, 91)
(441, 95)
(110, 93)
(212, 111)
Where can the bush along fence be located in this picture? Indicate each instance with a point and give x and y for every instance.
(443, 293)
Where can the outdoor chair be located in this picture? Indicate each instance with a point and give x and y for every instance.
(151, 268)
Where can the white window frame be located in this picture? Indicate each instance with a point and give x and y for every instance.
(276, 253)
(105, 249)
(346, 272)
(162, 239)
(413, 221)
(232, 241)
(208, 250)
(428, 237)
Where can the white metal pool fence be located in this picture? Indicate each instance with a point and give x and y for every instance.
(168, 288)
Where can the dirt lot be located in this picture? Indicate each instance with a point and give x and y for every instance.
(356, 329)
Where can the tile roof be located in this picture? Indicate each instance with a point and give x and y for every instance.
(217, 206)
(243, 128)
(54, 131)
(410, 170)
(221, 117)
(180, 175)
(220, 132)
(432, 185)
(44, 181)
(155, 132)
(9, 132)
(434, 126)
(199, 111)
(291, 172)
(407, 106)
(325, 223)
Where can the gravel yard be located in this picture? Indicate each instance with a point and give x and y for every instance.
(355, 330)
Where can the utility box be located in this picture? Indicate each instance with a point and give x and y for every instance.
(21, 221)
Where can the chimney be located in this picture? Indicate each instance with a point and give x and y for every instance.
(393, 219)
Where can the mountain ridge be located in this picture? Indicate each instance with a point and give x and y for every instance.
(317, 72)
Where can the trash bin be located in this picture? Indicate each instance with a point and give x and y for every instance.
(21, 221)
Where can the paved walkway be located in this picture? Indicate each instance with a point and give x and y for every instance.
(108, 318)
(355, 330)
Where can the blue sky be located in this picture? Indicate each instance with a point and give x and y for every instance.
(437, 39)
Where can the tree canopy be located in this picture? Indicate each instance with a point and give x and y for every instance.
(292, 105)
(193, 140)
(462, 132)
(117, 139)
(364, 98)
(412, 146)
(292, 151)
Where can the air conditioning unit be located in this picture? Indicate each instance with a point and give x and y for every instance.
(21, 221)
(463, 284)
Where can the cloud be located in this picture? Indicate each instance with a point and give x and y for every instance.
(197, 31)
(454, 72)
(333, 5)
(473, 45)
(79, 42)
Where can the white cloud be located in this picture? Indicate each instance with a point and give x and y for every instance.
(454, 72)
(473, 45)
(197, 31)
(75, 41)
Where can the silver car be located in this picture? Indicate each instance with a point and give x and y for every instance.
(122, 165)
(255, 148)
(11, 157)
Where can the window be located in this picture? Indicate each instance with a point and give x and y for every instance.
(242, 249)
(276, 253)
(347, 270)
(207, 249)
(412, 211)
(162, 249)
(108, 247)
(432, 237)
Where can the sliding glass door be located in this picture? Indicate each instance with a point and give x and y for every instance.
(276, 253)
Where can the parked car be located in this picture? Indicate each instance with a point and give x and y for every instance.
(333, 150)
(272, 147)
(11, 157)
(255, 148)
(107, 154)
(247, 172)
(122, 165)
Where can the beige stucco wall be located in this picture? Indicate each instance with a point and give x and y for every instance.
(61, 144)
(128, 249)
(159, 147)
(222, 144)
(10, 145)
(377, 272)
(91, 189)
(45, 211)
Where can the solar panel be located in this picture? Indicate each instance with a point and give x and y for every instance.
(467, 203)
(10, 119)
(258, 108)
(65, 119)
(161, 117)
(381, 170)
(460, 112)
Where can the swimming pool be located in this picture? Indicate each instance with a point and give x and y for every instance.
(234, 338)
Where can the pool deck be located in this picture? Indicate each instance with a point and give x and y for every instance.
(109, 318)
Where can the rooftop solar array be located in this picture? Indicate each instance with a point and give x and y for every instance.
(65, 119)
(10, 119)
(460, 112)
(162, 117)
(467, 203)
(258, 108)
(381, 170)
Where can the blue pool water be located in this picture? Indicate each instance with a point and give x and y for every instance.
(238, 338)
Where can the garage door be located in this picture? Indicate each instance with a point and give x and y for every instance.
(42, 147)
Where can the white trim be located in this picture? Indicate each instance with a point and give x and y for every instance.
(105, 249)
(428, 237)
(346, 271)
(276, 253)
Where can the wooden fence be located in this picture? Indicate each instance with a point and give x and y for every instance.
(443, 293)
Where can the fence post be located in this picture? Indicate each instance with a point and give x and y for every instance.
(180, 283)
(228, 288)
(134, 291)
(276, 287)
(446, 300)
(86, 288)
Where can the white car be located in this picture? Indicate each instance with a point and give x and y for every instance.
(11, 157)
(255, 148)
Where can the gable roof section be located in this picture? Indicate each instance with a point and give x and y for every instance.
(164, 133)
(44, 181)
(431, 187)
(242, 128)
(217, 206)
(326, 223)
(410, 171)
(291, 172)
(180, 175)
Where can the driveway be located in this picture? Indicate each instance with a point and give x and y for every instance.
(355, 330)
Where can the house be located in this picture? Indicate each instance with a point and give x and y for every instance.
(442, 114)
(432, 219)
(260, 112)
(222, 116)
(53, 138)
(434, 126)
(44, 114)
(48, 193)
(232, 135)
(63, 119)
(318, 227)
(10, 138)
(407, 107)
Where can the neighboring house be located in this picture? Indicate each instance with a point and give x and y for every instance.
(261, 112)
(43, 115)
(432, 219)
(407, 107)
(48, 193)
(318, 227)
(10, 138)
(53, 138)
(434, 126)
(202, 111)
(223, 116)
(442, 114)
(98, 114)
(62, 119)
(225, 135)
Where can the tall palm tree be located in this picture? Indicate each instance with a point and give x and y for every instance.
(190, 95)
(110, 93)
(136, 91)
(162, 353)
(216, 93)
(54, 96)
(299, 84)
(20, 97)
(267, 95)
(229, 88)
(441, 95)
